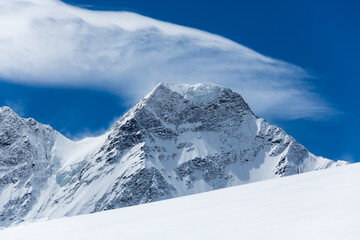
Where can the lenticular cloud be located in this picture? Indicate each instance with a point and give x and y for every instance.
(50, 43)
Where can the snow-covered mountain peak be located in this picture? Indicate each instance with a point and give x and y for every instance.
(6, 111)
(178, 140)
(11, 120)
(186, 102)
(196, 92)
(170, 110)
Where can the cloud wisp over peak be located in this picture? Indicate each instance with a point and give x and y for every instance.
(47, 42)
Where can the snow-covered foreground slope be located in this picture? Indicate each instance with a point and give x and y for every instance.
(178, 140)
(316, 205)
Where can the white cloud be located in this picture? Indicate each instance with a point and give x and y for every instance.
(50, 43)
(348, 157)
(17, 106)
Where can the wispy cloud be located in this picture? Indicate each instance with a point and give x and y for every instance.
(348, 157)
(50, 43)
(17, 106)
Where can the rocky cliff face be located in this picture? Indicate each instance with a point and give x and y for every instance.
(178, 140)
(25, 163)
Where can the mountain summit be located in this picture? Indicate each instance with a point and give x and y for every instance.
(178, 140)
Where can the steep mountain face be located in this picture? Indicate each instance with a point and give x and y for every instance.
(178, 140)
(25, 163)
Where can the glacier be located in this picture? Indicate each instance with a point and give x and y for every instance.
(180, 139)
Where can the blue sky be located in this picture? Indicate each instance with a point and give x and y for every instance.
(319, 36)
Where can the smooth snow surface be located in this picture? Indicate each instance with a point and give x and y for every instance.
(315, 205)
(70, 152)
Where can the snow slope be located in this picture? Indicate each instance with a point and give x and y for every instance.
(178, 140)
(315, 205)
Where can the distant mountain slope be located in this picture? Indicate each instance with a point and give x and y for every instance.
(314, 205)
(178, 140)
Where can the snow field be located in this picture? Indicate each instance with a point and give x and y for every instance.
(315, 205)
